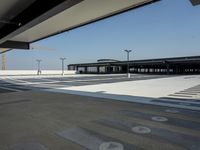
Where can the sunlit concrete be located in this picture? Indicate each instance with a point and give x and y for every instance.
(159, 88)
(146, 88)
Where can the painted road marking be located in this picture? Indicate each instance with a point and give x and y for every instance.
(93, 140)
(11, 89)
(179, 102)
(159, 118)
(111, 146)
(171, 121)
(174, 111)
(141, 130)
(89, 80)
(183, 140)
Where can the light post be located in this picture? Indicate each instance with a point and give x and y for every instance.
(39, 72)
(128, 51)
(63, 69)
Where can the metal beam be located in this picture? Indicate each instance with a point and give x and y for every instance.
(15, 45)
(195, 2)
(33, 15)
(4, 51)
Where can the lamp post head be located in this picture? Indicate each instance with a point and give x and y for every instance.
(38, 60)
(128, 51)
(62, 58)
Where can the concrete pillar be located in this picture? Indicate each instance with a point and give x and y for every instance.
(86, 69)
(107, 69)
(153, 70)
(167, 68)
(98, 69)
(177, 70)
(120, 69)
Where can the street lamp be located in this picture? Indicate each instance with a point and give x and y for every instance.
(39, 72)
(128, 51)
(63, 69)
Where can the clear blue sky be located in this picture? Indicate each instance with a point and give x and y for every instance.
(164, 29)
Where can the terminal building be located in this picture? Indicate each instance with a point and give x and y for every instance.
(175, 65)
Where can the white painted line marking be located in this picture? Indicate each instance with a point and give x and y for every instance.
(184, 101)
(172, 111)
(11, 89)
(81, 137)
(55, 81)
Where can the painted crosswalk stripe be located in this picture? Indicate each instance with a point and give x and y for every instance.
(94, 141)
(182, 140)
(171, 121)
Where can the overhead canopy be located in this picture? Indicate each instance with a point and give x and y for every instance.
(26, 21)
(195, 2)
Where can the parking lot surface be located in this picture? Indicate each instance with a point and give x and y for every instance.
(35, 119)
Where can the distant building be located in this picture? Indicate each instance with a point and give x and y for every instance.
(175, 65)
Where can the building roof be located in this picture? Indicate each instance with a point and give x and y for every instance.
(160, 61)
(107, 60)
